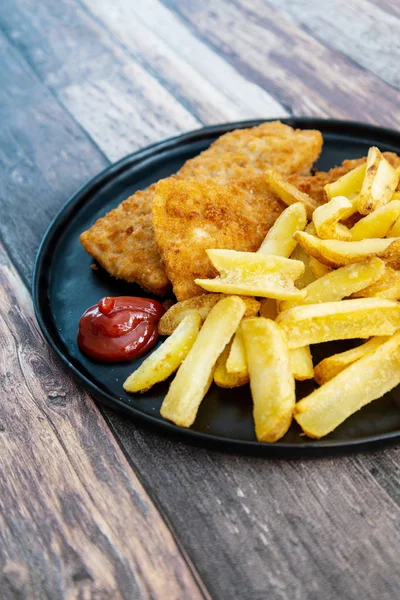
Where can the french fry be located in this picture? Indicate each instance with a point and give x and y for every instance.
(348, 319)
(341, 283)
(348, 185)
(336, 253)
(318, 269)
(279, 239)
(165, 360)
(378, 223)
(308, 276)
(195, 374)
(327, 216)
(330, 367)
(288, 193)
(269, 308)
(379, 183)
(301, 363)
(254, 274)
(236, 362)
(396, 195)
(359, 384)
(223, 378)
(200, 305)
(394, 231)
(271, 380)
(388, 286)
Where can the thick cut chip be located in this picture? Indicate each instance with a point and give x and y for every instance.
(123, 243)
(254, 274)
(394, 231)
(279, 239)
(378, 223)
(236, 362)
(308, 276)
(227, 379)
(191, 217)
(271, 380)
(341, 283)
(379, 183)
(326, 219)
(336, 253)
(365, 380)
(317, 268)
(288, 193)
(333, 365)
(165, 360)
(195, 374)
(301, 363)
(314, 185)
(388, 286)
(270, 145)
(348, 185)
(348, 319)
(200, 305)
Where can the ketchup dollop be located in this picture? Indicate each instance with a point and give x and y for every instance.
(119, 328)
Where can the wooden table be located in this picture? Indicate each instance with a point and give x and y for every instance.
(93, 505)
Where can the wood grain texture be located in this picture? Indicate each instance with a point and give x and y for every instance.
(360, 29)
(264, 44)
(77, 85)
(75, 522)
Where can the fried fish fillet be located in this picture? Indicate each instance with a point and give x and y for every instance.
(191, 216)
(313, 185)
(123, 241)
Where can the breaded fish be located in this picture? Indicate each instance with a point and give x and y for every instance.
(313, 185)
(191, 216)
(123, 241)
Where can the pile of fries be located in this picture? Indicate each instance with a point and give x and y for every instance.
(323, 273)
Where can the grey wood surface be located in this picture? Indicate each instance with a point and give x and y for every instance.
(93, 505)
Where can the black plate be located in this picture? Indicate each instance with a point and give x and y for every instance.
(64, 285)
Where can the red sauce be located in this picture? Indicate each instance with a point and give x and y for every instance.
(119, 328)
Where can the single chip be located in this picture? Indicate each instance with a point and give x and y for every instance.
(225, 379)
(336, 253)
(326, 219)
(236, 362)
(341, 283)
(200, 305)
(348, 185)
(279, 239)
(254, 274)
(394, 231)
(301, 363)
(379, 183)
(165, 360)
(348, 319)
(378, 223)
(195, 374)
(388, 286)
(330, 367)
(288, 193)
(365, 380)
(271, 380)
(308, 276)
(318, 269)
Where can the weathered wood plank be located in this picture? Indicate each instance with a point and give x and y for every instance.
(44, 157)
(282, 530)
(116, 101)
(75, 522)
(184, 63)
(272, 51)
(360, 29)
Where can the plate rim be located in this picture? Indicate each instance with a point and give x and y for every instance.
(277, 449)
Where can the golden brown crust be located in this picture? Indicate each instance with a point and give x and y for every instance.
(123, 241)
(192, 216)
